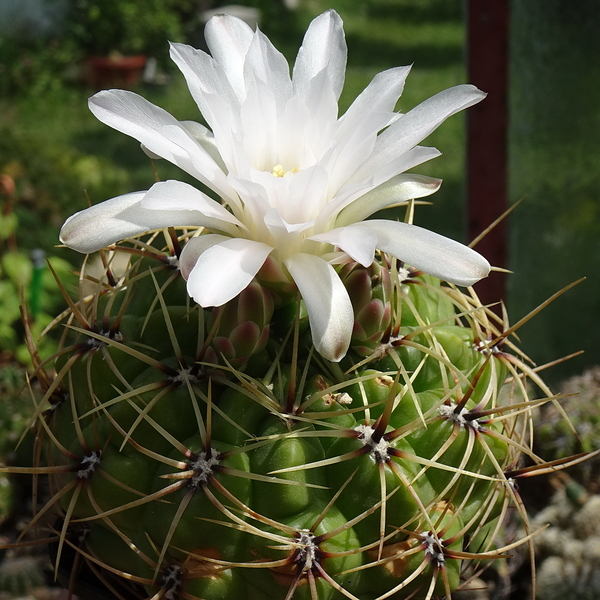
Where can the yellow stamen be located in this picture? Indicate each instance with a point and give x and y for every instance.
(279, 172)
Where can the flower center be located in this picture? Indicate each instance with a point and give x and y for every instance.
(279, 172)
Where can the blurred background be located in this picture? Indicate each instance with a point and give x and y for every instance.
(54, 155)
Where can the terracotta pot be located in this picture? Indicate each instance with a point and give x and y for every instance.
(114, 71)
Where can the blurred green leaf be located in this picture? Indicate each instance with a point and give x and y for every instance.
(17, 267)
(8, 224)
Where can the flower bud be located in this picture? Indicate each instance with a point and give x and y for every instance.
(370, 290)
(242, 326)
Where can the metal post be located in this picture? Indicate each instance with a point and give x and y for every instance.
(487, 38)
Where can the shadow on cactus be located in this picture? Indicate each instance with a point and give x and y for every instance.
(322, 420)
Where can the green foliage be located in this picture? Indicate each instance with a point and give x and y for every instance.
(36, 66)
(15, 413)
(15, 408)
(23, 284)
(42, 64)
(103, 27)
(51, 178)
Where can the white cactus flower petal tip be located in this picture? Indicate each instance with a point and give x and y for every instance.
(295, 181)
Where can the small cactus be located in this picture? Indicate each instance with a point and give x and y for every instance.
(557, 437)
(568, 546)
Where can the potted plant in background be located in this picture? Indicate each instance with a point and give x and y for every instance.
(117, 37)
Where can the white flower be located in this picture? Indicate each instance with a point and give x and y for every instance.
(295, 181)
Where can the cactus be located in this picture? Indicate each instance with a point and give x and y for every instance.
(557, 438)
(264, 401)
(568, 544)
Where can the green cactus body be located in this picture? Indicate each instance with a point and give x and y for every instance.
(212, 455)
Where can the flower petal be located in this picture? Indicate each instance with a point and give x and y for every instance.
(204, 80)
(323, 47)
(228, 39)
(363, 182)
(166, 204)
(258, 118)
(307, 195)
(329, 308)
(353, 148)
(397, 190)
(194, 248)
(160, 133)
(203, 136)
(356, 241)
(117, 219)
(175, 195)
(98, 226)
(430, 252)
(225, 269)
(206, 139)
(321, 101)
(265, 63)
(417, 124)
(380, 95)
